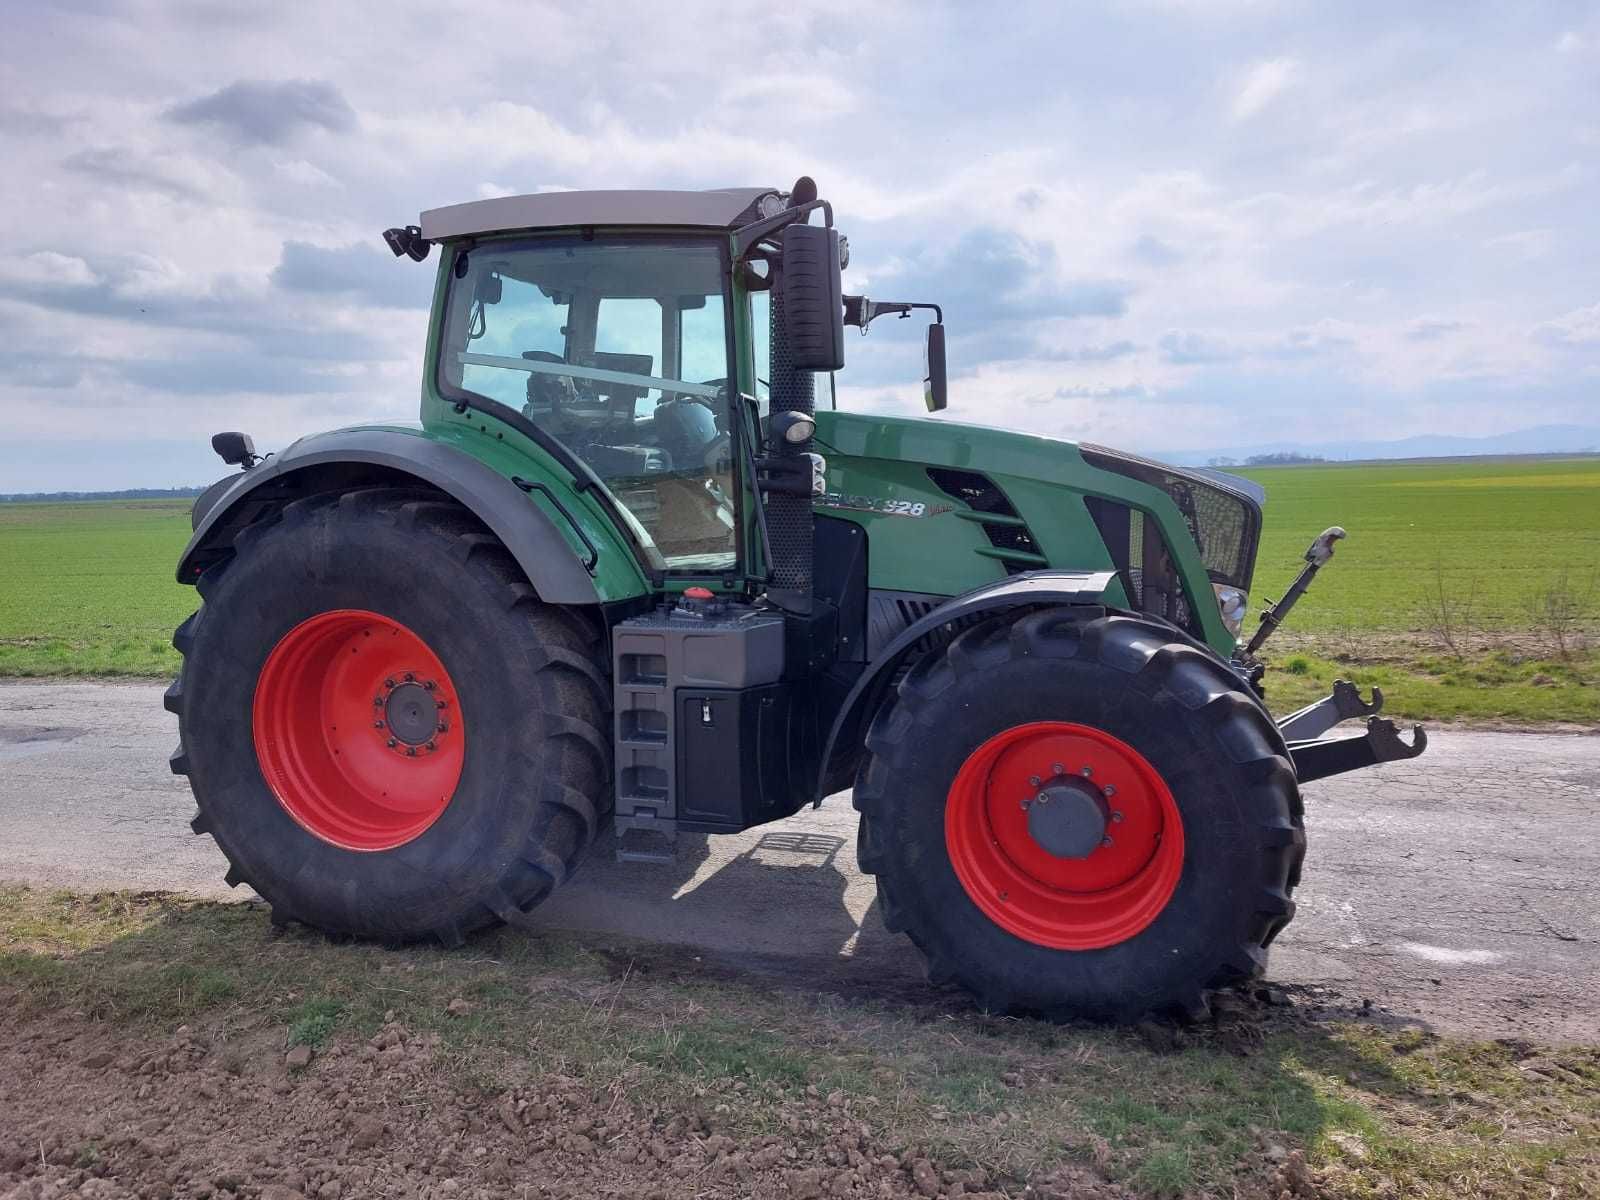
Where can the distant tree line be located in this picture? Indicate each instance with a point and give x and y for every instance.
(1281, 458)
(125, 494)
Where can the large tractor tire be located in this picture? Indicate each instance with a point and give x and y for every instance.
(387, 733)
(1080, 817)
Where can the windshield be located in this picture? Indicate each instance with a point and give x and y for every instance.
(619, 349)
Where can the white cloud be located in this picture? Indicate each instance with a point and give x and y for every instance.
(1263, 83)
(48, 267)
(1580, 327)
(1190, 256)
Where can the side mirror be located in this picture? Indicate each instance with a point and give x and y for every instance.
(935, 390)
(408, 240)
(813, 297)
(235, 449)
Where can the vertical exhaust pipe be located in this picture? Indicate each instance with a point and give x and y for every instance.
(807, 336)
(792, 389)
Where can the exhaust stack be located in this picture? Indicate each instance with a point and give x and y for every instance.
(792, 389)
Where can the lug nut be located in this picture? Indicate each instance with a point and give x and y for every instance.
(1087, 772)
(1106, 841)
(431, 747)
(1033, 781)
(430, 685)
(443, 728)
(377, 702)
(1043, 798)
(1116, 816)
(1057, 769)
(392, 743)
(377, 724)
(411, 751)
(388, 683)
(441, 704)
(410, 678)
(1108, 791)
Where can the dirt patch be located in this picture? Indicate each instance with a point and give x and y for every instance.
(156, 1047)
(221, 1115)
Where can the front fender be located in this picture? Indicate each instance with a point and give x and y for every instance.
(353, 457)
(1032, 588)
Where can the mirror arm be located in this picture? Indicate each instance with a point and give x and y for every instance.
(861, 312)
(747, 237)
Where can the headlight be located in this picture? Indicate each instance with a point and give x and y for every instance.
(1232, 602)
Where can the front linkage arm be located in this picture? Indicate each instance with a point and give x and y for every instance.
(1343, 704)
(1334, 756)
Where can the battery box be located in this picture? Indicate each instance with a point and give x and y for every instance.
(702, 718)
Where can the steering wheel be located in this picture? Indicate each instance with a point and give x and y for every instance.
(555, 389)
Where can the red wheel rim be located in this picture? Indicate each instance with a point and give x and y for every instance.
(358, 730)
(1107, 895)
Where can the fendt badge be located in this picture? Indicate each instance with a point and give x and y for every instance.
(878, 504)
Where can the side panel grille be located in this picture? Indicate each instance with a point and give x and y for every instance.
(1011, 541)
(890, 613)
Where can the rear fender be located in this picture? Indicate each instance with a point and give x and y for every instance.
(357, 457)
(1031, 589)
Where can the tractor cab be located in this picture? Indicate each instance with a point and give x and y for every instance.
(621, 348)
(657, 340)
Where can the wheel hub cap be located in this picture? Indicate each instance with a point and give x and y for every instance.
(411, 715)
(1068, 818)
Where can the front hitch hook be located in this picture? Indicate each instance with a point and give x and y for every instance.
(1343, 704)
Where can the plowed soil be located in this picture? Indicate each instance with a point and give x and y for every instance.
(84, 1113)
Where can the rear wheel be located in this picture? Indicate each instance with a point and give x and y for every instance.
(1080, 817)
(386, 732)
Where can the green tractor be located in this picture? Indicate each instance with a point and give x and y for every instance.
(623, 578)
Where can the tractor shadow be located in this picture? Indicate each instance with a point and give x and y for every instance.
(782, 901)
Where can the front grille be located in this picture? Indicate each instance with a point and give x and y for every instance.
(1142, 561)
(1225, 524)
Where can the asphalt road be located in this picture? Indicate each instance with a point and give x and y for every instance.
(1457, 890)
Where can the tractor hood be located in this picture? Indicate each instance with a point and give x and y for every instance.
(980, 447)
(1061, 505)
(947, 444)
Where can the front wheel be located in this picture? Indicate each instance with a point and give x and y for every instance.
(386, 732)
(1080, 817)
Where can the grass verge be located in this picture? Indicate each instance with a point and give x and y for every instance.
(1375, 1111)
(1494, 681)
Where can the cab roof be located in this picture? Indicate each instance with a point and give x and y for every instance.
(720, 208)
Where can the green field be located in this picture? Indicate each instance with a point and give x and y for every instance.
(87, 589)
(1510, 546)
(1501, 529)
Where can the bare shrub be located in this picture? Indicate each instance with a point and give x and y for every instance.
(1448, 614)
(1561, 609)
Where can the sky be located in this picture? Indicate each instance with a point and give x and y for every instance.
(1158, 224)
